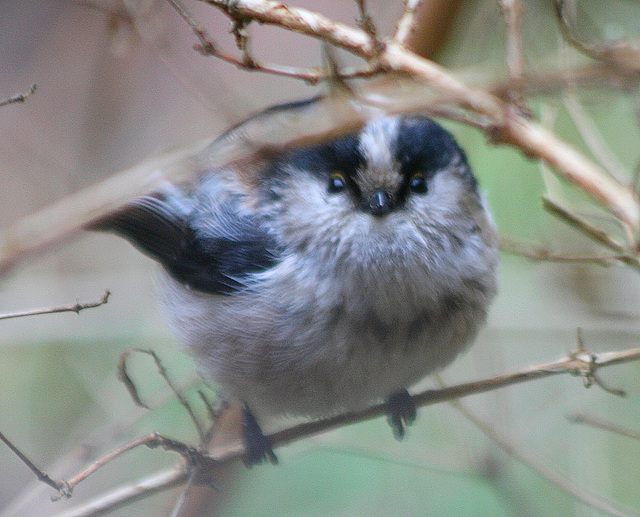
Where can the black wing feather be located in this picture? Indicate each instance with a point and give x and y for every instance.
(194, 246)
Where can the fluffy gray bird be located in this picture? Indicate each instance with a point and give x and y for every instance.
(338, 276)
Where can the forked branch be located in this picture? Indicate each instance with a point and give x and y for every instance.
(579, 363)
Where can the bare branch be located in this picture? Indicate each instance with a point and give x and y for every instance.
(579, 170)
(512, 11)
(20, 97)
(539, 253)
(620, 54)
(153, 440)
(300, 20)
(598, 235)
(59, 486)
(192, 457)
(424, 26)
(133, 391)
(579, 362)
(597, 76)
(513, 129)
(66, 217)
(600, 423)
(199, 31)
(407, 21)
(365, 22)
(208, 47)
(51, 226)
(580, 494)
(570, 217)
(130, 493)
(591, 135)
(77, 307)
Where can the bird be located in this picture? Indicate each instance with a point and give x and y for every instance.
(338, 275)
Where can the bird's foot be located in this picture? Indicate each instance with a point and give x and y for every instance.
(402, 412)
(258, 446)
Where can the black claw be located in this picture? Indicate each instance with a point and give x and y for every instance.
(402, 412)
(257, 445)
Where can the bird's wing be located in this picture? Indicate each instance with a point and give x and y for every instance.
(209, 248)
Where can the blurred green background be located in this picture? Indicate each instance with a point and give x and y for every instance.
(116, 87)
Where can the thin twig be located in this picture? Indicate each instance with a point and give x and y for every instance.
(596, 76)
(542, 254)
(513, 129)
(570, 217)
(49, 226)
(621, 54)
(512, 11)
(601, 423)
(199, 31)
(598, 235)
(213, 412)
(365, 22)
(311, 76)
(77, 307)
(578, 363)
(53, 225)
(567, 31)
(407, 22)
(591, 135)
(59, 486)
(152, 441)
(133, 391)
(241, 33)
(425, 26)
(181, 507)
(578, 493)
(589, 374)
(127, 494)
(300, 20)
(20, 97)
(65, 487)
(208, 47)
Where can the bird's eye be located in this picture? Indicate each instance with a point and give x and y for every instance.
(418, 184)
(337, 183)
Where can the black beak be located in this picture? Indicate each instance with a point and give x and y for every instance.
(380, 203)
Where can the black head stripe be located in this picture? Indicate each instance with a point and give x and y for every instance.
(425, 146)
(338, 155)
